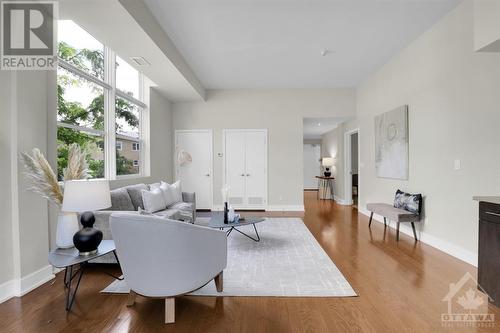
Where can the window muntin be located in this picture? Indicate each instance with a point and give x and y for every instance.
(135, 146)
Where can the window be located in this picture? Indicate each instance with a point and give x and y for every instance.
(100, 106)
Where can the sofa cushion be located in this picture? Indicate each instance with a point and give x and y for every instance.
(120, 200)
(172, 214)
(135, 192)
(183, 206)
(153, 200)
(392, 213)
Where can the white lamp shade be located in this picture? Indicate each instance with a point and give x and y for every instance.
(86, 195)
(327, 161)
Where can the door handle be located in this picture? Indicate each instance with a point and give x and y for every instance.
(242, 175)
(248, 175)
(208, 175)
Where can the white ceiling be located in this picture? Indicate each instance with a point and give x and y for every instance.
(314, 128)
(277, 43)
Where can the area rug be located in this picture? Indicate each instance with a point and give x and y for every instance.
(287, 262)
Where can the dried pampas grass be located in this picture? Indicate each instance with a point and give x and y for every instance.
(77, 164)
(43, 177)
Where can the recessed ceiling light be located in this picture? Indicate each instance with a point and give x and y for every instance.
(319, 124)
(324, 52)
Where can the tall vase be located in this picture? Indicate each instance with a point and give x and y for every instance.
(67, 226)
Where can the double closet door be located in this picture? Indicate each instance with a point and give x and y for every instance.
(245, 168)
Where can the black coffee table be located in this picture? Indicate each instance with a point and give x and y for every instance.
(217, 221)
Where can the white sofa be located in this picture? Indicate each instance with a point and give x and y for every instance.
(165, 258)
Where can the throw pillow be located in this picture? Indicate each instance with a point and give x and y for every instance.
(153, 200)
(176, 191)
(167, 193)
(409, 202)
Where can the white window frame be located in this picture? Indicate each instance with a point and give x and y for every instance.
(136, 146)
(135, 163)
(109, 134)
(119, 145)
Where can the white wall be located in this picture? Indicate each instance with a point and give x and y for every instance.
(6, 263)
(279, 111)
(454, 113)
(25, 110)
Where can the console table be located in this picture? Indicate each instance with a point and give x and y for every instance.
(325, 187)
(488, 268)
(68, 258)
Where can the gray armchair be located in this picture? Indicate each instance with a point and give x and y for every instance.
(164, 258)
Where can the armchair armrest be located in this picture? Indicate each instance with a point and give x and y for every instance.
(191, 198)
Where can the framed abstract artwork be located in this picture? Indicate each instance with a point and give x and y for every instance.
(391, 144)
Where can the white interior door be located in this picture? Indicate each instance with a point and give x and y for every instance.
(234, 166)
(256, 168)
(312, 165)
(196, 176)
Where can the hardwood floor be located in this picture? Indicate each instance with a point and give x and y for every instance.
(400, 287)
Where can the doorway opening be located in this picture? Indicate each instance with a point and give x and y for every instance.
(322, 137)
(351, 140)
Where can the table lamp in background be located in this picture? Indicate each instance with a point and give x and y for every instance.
(327, 162)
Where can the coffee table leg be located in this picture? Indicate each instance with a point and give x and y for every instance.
(70, 297)
(244, 234)
(229, 232)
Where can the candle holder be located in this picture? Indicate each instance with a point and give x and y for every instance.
(226, 211)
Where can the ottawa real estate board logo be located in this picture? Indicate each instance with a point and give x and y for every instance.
(467, 305)
(28, 35)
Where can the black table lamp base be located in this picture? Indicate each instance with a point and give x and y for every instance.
(88, 239)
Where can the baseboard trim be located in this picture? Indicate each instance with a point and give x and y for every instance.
(341, 201)
(7, 290)
(436, 242)
(285, 208)
(20, 287)
(35, 279)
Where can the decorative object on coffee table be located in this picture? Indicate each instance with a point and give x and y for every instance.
(217, 221)
(45, 183)
(83, 196)
(327, 162)
(225, 195)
